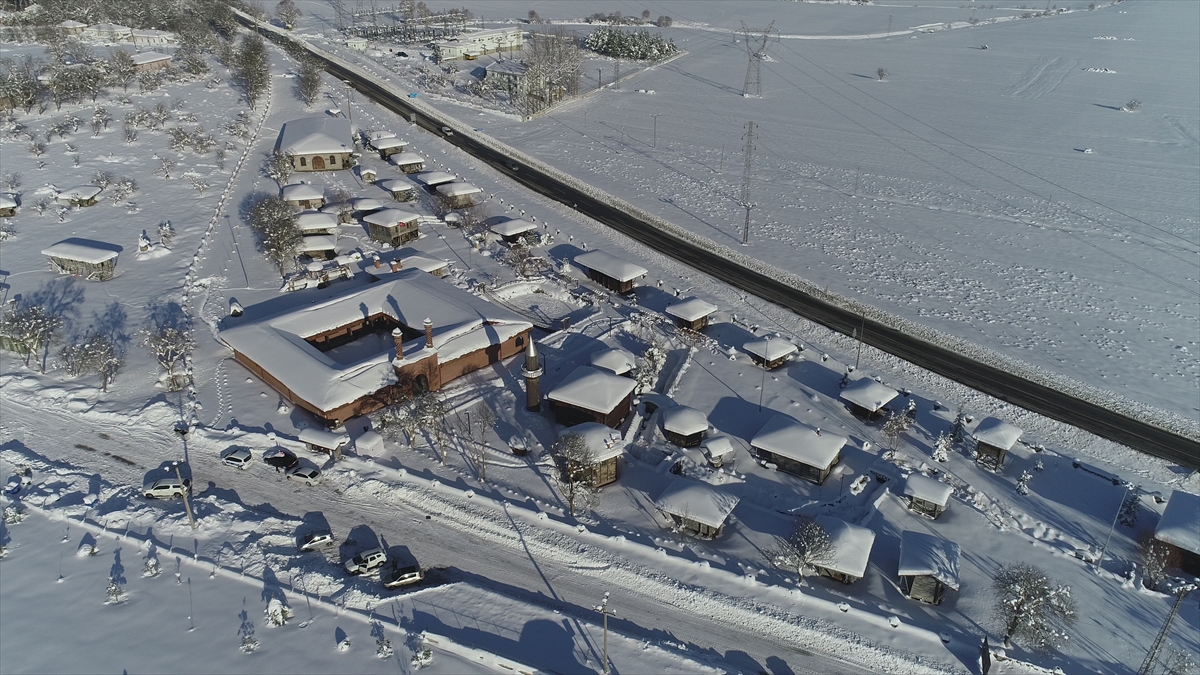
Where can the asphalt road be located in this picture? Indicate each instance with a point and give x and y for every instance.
(1101, 421)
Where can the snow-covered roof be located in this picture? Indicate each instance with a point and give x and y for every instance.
(365, 204)
(434, 177)
(513, 226)
(7, 201)
(298, 191)
(462, 323)
(391, 217)
(73, 249)
(923, 554)
(770, 349)
(1180, 522)
(315, 136)
(377, 135)
(610, 265)
(457, 189)
(997, 432)
(684, 421)
(604, 442)
(926, 488)
(71, 23)
(691, 309)
(309, 221)
(851, 546)
(317, 242)
(615, 360)
(388, 143)
(323, 438)
(420, 262)
(79, 192)
(592, 389)
(402, 158)
(784, 436)
(151, 33)
(718, 446)
(869, 394)
(395, 185)
(425, 264)
(696, 501)
(143, 58)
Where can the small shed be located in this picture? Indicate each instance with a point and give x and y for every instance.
(850, 550)
(358, 44)
(366, 173)
(386, 147)
(318, 247)
(316, 222)
(591, 395)
(718, 450)
(994, 438)
(1179, 528)
(770, 353)
(616, 361)
(401, 190)
(684, 426)
(928, 566)
(695, 508)
(606, 446)
(322, 440)
(868, 397)
(147, 61)
(797, 448)
(691, 313)
(610, 271)
(459, 195)
(513, 229)
(8, 206)
(80, 195)
(83, 258)
(431, 179)
(392, 226)
(408, 162)
(361, 206)
(303, 195)
(926, 496)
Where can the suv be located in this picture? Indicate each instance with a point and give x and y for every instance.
(398, 575)
(316, 540)
(166, 487)
(236, 457)
(310, 475)
(366, 561)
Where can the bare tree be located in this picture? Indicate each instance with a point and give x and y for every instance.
(1156, 557)
(166, 164)
(480, 420)
(19, 85)
(1131, 106)
(96, 354)
(171, 345)
(808, 544)
(430, 413)
(253, 67)
(31, 329)
(576, 475)
(308, 81)
(894, 428)
(1031, 606)
(10, 182)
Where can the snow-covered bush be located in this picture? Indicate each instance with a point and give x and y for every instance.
(1023, 483)
(421, 655)
(941, 447)
(277, 612)
(123, 187)
(383, 646)
(115, 593)
(151, 568)
(1031, 606)
(653, 360)
(13, 514)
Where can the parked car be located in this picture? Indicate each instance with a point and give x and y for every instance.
(316, 540)
(366, 561)
(236, 457)
(281, 459)
(311, 475)
(166, 487)
(397, 575)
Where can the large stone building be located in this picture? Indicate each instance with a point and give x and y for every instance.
(317, 143)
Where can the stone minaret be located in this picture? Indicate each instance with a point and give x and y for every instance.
(532, 371)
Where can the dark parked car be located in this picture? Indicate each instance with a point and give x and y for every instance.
(280, 459)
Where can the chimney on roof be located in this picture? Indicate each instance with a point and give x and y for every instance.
(398, 338)
(428, 333)
(377, 262)
(396, 265)
(532, 371)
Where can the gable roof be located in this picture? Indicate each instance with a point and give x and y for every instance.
(867, 393)
(851, 546)
(923, 554)
(928, 489)
(696, 501)
(604, 441)
(592, 389)
(1180, 522)
(315, 136)
(616, 360)
(769, 349)
(684, 421)
(997, 432)
(691, 309)
(610, 266)
(784, 436)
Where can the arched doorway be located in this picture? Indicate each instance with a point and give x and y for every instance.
(318, 163)
(420, 385)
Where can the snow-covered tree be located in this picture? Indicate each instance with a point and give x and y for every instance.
(652, 362)
(151, 568)
(121, 68)
(1031, 606)
(115, 592)
(430, 412)
(279, 167)
(942, 447)
(31, 329)
(19, 84)
(308, 81)
(894, 428)
(910, 412)
(576, 475)
(1155, 557)
(171, 344)
(287, 12)
(482, 419)
(96, 354)
(277, 612)
(808, 544)
(274, 221)
(1023, 483)
(10, 182)
(638, 45)
(383, 646)
(881, 72)
(252, 67)
(1128, 515)
(958, 432)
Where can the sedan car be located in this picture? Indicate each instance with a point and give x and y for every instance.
(311, 475)
(366, 561)
(398, 575)
(316, 540)
(236, 457)
(281, 459)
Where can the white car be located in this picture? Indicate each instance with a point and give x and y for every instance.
(316, 540)
(236, 457)
(166, 487)
(447, 131)
(366, 561)
(309, 474)
(401, 575)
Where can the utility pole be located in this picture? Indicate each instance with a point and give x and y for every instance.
(599, 78)
(1152, 655)
(756, 51)
(859, 334)
(749, 162)
(603, 609)
(655, 116)
(349, 99)
(889, 25)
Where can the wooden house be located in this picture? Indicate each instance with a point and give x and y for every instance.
(144, 62)
(994, 438)
(386, 147)
(1179, 528)
(317, 144)
(392, 226)
(366, 174)
(83, 258)
(408, 162)
(459, 195)
(318, 247)
(684, 426)
(867, 397)
(606, 446)
(616, 361)
(798, 449)
(303, 195)
(592, 395)
(8, 206)
(513, 230)
(401, 190)
(80, 195)
(696, 508)
(316, 222)
(430, 180)
(926, 496)
(770, 353)
(928, 566)
(610, 271)
(324, 441)
(850, 550)
(691, 313)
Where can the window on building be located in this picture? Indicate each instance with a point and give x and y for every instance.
(303, 161)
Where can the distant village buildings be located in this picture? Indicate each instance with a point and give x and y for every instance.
(471, 45)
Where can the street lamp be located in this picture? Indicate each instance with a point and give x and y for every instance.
(186, 505)
(603, 609)
(766, 360)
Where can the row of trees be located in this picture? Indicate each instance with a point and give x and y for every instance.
(637, 45)
(617, 19)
